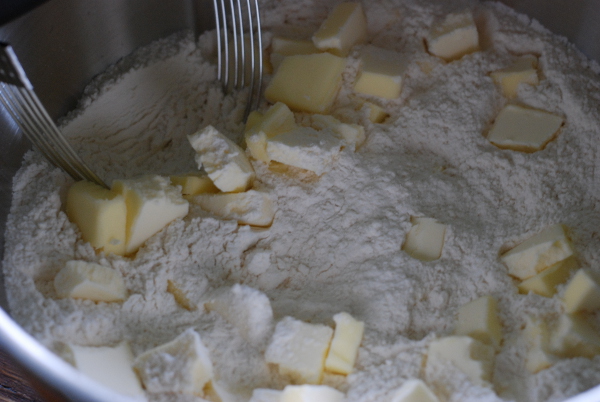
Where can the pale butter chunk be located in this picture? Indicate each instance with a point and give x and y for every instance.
(380, 73)
(152, 203)
(455, 37)
(266, 395)
(345, 27)
(425, 240)
(277, 120)
(311, 393)
(282, 47)
(299, 350)
(537, 338)
(252, 207)
(193, 184)
(223, 160)
(376, 113)
(247, 309)
(100, 214)
(523, 129)
(545, 283)
(575, 337)
(110, 366)
(582, 292)
(470, 356)
(352, 134)
(344, 346)
(523, 70)
(87, 280)
(307, 83)
(479, 319)
(538, 252)
(414, 390)
(182, 365)
(305, 148)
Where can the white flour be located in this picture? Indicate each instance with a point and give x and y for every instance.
(335, 242)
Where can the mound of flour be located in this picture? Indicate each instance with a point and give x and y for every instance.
(335, 243)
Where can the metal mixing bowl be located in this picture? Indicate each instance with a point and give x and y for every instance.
(62, 44)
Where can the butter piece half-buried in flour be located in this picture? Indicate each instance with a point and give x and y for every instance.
(522, 71)
(414, 390)
(425, 240)
(310, 393)
(345, 27)
(87, 280)
(479, 319)
(582, 292)
(381, 72)
(344, 346)
(454, 37)
(277, 120)
(252, 207)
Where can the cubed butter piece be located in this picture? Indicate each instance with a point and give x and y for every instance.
(376, 113)
(193, 184)
(582, 292)
(182, 365)
(425, 240)
(537, 337)
(277, 120)
(479, 319)
(253, 119)
(345, 27)
(545, 283)
(523, 70)
(311, 393)
(344, 346)
(538, 252)
(470, 356)
(282, 47)
(86, 280)
(299, 349)
(305, 148)
(352, 134)
(110, 366)
(380, 73)
(266, 395)
(307, 83)
(152, 203)
(100, 215)
(414, 390)
(523, 129)
(223, 160)
(575, 337)
(455, 37)
(252, 207)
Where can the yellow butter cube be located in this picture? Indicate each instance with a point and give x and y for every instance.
(575, 337)
(545, 283)
(414, 391)
(344, 346)
(310, 393)
(380, 73)
(86, 280)
(345, 27)
(523, 70)
(352, 134)
(277, 120)
(479, 319)
(308, 83)
(252, 207)
(425, 240)
(253, 119)
(193, 184)
(582, 292)
(376, 113)
(539, 252)
(100, 215)
(537, 337)
(282, 47)
(455, 37)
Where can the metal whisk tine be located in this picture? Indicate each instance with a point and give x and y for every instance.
(21, 102)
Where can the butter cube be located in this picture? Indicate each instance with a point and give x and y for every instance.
(253, 207)
(545, 283)
(305, 148)
(470, 356)
(86, 280)
(253, 119)
(344, 346)
(152, 203)
(277, 120)
(223, 160)
(299, 349)
(455, 37)
(110, 366)
(266, 395)
(380, 73)
(414, 391)
(538, 338)
(282, 47)
(311, 393)
(182, 365)
(425, 240)
(100, 215)
(376, 113)
(582, 292)
(345, 27)
(538, 253)
(523, 70)
(478, 319)
(351, 134)
(524, 129)
(575, 337)
(307, 83)
(193, 184)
